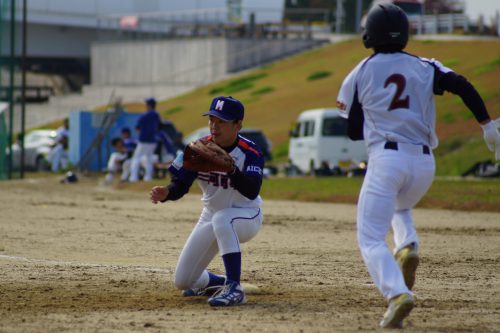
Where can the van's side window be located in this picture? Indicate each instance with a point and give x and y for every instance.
(308, 128)
(334, 127)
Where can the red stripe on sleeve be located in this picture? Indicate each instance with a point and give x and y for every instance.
(245, 145)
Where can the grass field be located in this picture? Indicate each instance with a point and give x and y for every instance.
(469, 195)
(456, 193)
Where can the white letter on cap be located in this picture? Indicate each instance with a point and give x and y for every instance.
(219, 105)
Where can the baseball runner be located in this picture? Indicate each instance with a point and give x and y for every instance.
(231, 214)
(388, 99)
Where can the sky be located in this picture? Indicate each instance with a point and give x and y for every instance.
(488, 8)
(474, 8)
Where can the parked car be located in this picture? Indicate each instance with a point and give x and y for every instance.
(37, 145)
(173, 133)
(319, 141)
(251, 134)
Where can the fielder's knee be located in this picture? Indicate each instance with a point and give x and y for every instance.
(220, 222)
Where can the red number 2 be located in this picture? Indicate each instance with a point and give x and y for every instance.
(398, 102)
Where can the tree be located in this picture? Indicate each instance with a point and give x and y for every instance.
(444, 6)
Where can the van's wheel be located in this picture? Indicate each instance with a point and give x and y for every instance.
(40, 164)
(311, 167)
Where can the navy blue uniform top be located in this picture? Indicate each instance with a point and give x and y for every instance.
(148, 125)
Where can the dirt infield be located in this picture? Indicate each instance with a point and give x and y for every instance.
(87, 258)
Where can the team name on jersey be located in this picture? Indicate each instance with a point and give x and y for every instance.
(216, 179)
(254, 168)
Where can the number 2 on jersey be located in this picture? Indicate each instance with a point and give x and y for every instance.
(398, 102)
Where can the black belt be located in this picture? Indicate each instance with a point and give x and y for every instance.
(394, 146)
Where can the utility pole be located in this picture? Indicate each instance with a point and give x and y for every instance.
(359, 9)
(11, 83)
(339, 15)
(23, 88)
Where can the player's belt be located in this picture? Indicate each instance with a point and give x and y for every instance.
(394, 146)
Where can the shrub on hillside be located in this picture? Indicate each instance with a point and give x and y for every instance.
(318, 75)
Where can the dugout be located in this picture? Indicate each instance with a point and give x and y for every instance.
(90, 135)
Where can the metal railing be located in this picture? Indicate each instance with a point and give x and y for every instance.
(34, 94)
(443, 23)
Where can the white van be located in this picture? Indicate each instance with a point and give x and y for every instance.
(320, 138)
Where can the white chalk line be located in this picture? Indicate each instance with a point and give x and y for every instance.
(80, 264)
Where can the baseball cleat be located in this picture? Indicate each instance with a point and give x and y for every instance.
(231, 294)
(208, 291)
(408, 260)
(399, 308)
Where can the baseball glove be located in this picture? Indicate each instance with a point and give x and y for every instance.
(206, 156)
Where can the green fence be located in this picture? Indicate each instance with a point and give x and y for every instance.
(3, 141)
(7, 43)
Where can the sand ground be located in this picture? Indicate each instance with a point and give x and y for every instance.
(88, 258)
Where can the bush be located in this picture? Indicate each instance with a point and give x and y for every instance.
(318, 75)
(237, 85)
(263, 90)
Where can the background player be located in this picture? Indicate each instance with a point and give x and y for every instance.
(118, 161)
(389, 100)
(148, 126)
(231, 213)
(58, 155)
(128, 141)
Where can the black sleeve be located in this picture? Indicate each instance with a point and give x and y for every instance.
(356, 119)
(176, 189)
(458, 85)
(248, 186)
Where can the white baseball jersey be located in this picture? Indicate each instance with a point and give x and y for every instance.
(396, 92)
(218, 192)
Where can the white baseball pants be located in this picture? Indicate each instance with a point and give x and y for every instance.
(222, 231)
(58, 157)
(395, 182)
(118, 162)
(146, 151)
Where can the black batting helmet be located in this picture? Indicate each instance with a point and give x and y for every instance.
(386, 25)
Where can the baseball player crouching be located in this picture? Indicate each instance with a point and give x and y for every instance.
(231, 213)
(389, 101)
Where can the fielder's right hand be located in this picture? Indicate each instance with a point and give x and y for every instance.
(158, 194)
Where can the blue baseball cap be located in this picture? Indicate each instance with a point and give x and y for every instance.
(150, 101)
(226, 108)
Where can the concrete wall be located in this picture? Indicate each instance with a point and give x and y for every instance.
(195, 62)
(247, 53)
(151, 62)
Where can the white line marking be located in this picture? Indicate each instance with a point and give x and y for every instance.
(70, 263)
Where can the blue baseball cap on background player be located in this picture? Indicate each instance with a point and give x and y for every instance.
(226, 108)
(150, 101)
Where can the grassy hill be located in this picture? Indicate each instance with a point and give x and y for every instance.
(276, 94)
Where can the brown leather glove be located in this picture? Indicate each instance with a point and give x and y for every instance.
(205, 156)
